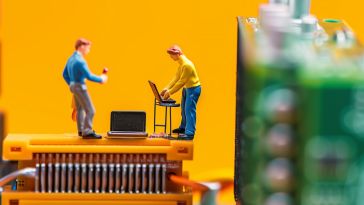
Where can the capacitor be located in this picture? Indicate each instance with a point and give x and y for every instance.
(279, 175)
(280, 141)
(279, 199)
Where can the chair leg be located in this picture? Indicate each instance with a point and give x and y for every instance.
(155, 109)
(165, 120)
(170, 121)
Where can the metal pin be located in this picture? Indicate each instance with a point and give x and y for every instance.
(137, 178)
(83, 177)
(97, 175)
(43, 174)
(103, 174)
(63, 173)
(124, 181)
(117, 177)
(117, 173)
(144, 179)
(70, 173)
(90, 175)
(111, 177)
(151, 178)
(83, 174)
(104, 177)
(37, 173)
(164, 175)
(131, 178)
(77, 174)
(157, 178)
(50, 173)
(56, 174)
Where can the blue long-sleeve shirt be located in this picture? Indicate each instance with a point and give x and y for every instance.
(76, 70)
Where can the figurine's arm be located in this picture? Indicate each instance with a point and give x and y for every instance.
(66, 76)
(185, 75)
(90, 76)
(174, 80)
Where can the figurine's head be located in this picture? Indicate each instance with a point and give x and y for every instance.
(83, 46)
(174, 52)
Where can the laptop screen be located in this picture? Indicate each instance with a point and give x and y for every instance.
(155, 91)
(133, 121)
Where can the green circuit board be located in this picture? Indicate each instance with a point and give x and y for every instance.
(300, 114)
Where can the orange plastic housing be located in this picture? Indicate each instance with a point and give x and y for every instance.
(23, 146)
(34, 150)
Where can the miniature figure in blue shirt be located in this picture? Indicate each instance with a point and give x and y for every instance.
(75, 73)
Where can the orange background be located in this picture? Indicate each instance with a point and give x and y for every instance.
(130, 38)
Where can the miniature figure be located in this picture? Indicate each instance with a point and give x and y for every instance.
(75, 73)
(186, 77)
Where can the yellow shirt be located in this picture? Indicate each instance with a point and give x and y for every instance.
(186, 76)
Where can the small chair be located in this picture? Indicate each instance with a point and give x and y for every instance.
(166, 105)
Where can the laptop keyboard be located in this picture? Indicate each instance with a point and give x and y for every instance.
(170, 100)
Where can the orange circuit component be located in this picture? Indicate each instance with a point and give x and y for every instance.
(68, 169)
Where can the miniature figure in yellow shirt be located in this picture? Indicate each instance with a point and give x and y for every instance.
(186, 78)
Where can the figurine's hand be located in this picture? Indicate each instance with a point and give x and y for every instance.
(163, 91)
(166, 95)
(104, 78)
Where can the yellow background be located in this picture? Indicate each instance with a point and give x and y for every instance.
(130, 38)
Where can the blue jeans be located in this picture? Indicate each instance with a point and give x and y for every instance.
(188, 109)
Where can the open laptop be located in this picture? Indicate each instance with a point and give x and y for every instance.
(127, 124)
(157, 95)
